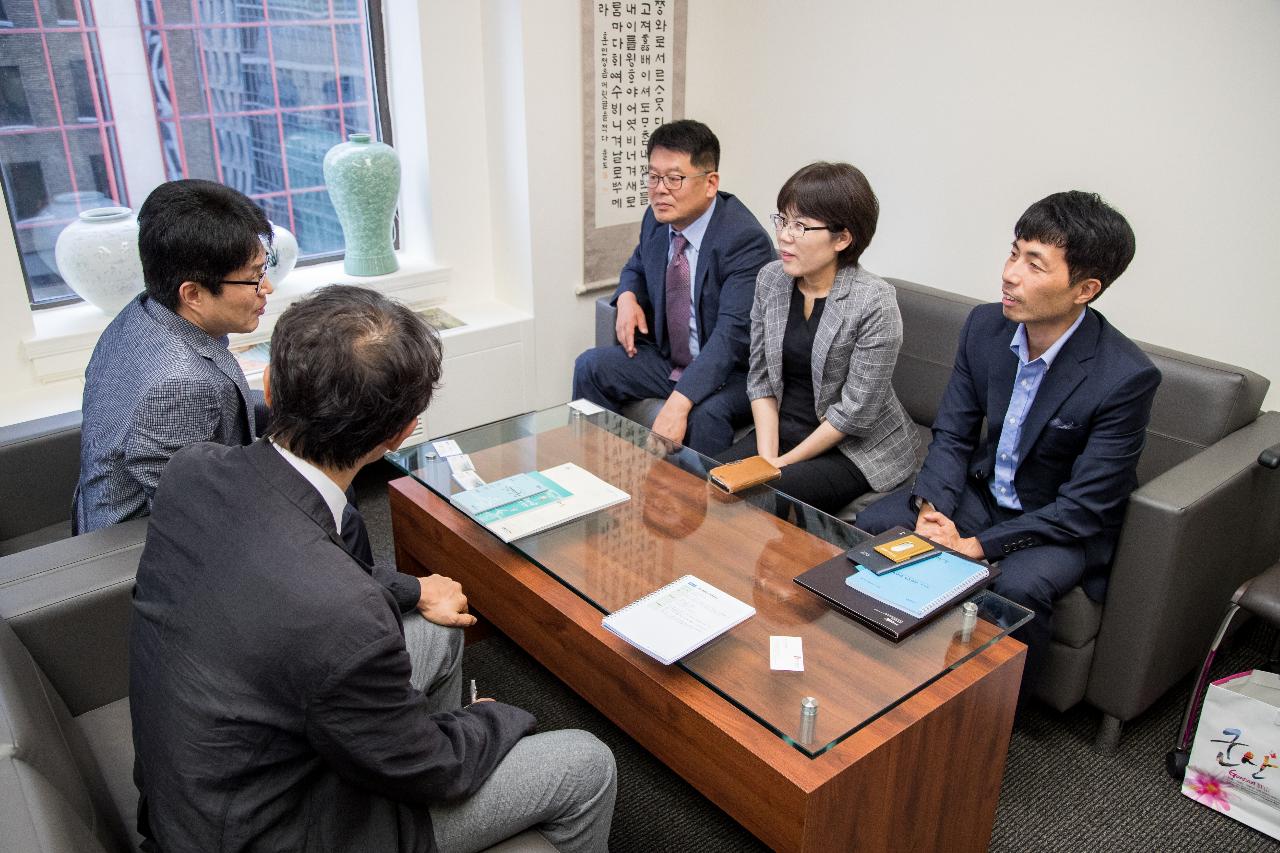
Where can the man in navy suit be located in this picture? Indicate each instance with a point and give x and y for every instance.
(684, 299)
(1066, 399)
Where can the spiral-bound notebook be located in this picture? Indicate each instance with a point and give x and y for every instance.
(682, 616)
(897, 602)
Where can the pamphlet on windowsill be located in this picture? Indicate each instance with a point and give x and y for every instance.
(679, 618)
(525, 504)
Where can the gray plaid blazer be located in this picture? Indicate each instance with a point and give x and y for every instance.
(155, 384)
(854, 352)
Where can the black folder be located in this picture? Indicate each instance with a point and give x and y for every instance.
(828, 581)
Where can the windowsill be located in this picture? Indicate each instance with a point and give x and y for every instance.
(64, 337)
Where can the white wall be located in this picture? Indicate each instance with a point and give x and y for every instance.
(962, 114)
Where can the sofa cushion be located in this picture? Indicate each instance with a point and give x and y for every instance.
(33, 720)
(34, 539)
(108, 731)
(35, 815)
(1061, 683)
(1076, 619)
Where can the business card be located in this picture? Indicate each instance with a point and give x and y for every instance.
(468, 479)
(786, 654)
(447, 447)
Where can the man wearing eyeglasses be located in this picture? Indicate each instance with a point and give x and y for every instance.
(161, 376)
(684, 299)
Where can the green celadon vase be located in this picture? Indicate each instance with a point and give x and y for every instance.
(363, 178)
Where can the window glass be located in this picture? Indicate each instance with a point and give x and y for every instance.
(251, 93)
(58, 151)
(254, 94)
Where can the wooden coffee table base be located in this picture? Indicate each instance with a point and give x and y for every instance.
(925, 776)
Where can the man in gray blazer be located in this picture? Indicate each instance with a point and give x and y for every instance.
(322, 730)
(161, 376)
(683, 299)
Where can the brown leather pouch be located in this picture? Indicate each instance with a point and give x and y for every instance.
(743, 474)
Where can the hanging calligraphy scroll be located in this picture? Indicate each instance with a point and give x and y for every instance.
(633, 75)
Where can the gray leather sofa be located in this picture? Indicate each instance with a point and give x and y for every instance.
(1202, 521)
(66, 742)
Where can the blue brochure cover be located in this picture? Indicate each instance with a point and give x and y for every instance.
(551, 492)
(920, 587)
(499, 493)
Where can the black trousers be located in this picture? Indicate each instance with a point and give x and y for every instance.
(607, 377)
(827, 482)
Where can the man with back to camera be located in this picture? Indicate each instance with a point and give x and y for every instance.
(161, 376)
(317, 732)
(1066, 398)
(684, 299)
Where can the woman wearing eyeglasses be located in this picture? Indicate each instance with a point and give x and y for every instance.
(825, 335)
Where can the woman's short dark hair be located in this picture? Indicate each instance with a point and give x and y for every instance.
(688, 137)
(194, 230)
(835, 194)
(1095, 238)
(349, 369)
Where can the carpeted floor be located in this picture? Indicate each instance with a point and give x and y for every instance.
(1057, 794)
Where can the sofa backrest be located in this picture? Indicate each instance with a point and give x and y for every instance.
(1199, 402)
(39, 467)
(931, 323)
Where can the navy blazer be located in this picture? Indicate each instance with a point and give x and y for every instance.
(1079, 446)
(269, 681)
(733, 250)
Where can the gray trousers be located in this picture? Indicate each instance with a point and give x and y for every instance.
(562, 783)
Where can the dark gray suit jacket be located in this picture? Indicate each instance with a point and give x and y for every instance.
(733, 249)
(269, 681)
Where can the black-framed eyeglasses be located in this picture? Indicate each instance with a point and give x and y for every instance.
(256, 285)
(672, 182)
(796, 229)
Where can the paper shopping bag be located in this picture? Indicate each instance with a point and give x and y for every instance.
(1233, 766)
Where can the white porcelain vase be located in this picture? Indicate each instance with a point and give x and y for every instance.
(285, 246)
(97, 256)
(65, 206)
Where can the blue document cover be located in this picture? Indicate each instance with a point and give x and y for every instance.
(919, 588)
(499, 493)
(551, 491)
(542, 500)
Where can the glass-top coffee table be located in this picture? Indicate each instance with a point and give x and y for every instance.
(722, 710)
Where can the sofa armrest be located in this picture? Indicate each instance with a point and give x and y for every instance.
(70, 603)
(606, 322)
(1190, 538)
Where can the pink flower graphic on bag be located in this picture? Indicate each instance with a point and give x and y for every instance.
(1208, 789)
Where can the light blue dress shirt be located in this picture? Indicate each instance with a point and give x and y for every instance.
(694, 234)
(1025, 385)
